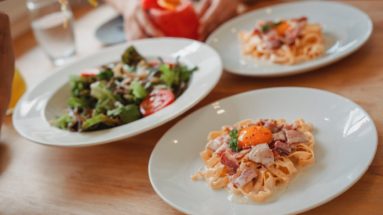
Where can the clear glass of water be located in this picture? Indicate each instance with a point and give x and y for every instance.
(52, 25)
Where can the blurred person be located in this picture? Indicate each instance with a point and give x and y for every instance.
(138, 24)
(7, 66)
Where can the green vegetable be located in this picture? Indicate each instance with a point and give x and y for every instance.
(233, 143)
(63, 121)
(131, 56)
(138, 90)
(168, 76)
(174, 76)
(106, 99)
(127, 113)
(99, 119)
(265, 28)
(184, 72)
(100, 91)
(76, 102)
(268, 26)
(105, 75)
(80, 85)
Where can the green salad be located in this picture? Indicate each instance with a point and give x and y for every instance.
(122, 92)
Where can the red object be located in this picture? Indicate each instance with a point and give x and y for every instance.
(181, 22)
(156, 100)
(150, 4)
(87, 74)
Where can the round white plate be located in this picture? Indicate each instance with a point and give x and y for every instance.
(49, 98)
(345, 29)
(346, 141)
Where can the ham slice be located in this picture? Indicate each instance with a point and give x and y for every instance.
(271, 40)
(279, 136)
(261, 153)
(294, 136)
(246, 176)
(217, 142)
(282, 148)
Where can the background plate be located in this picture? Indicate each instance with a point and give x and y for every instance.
(345, 29)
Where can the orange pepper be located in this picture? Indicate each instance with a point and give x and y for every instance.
(282, 28)
(254, 135)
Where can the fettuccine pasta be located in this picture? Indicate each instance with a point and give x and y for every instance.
(253, 159)
(288, 41)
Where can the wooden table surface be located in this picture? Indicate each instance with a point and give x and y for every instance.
(113, 178)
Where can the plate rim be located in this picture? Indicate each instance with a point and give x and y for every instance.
(323, 201)
(304, 69)
(122, 137)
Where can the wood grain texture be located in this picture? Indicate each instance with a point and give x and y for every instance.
(113, 178)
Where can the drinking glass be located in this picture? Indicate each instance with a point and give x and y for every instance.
(52, 24)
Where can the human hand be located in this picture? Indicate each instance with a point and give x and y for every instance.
(215, 12)
(7, 66)
(137, 23)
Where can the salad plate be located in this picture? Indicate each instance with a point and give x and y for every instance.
(345, 29)
(345, 136)
(41, 106)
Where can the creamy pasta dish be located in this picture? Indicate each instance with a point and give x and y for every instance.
(289, 41)
(254, 158)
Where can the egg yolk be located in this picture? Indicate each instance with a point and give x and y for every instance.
(254, 135)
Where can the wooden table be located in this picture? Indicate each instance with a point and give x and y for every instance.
(113, 178)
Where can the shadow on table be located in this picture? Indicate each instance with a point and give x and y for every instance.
(114, 169)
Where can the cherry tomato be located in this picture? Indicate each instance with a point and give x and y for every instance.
(87, 74)
(156, 100)
(254, 135)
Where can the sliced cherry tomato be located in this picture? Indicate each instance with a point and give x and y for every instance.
(150, 4)
(90, 72)
(254, 135)
(87, 74)
(156, 100)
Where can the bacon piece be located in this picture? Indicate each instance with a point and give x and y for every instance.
(282, 148)
(294, 136)
(292, 35)
(246, 176)
(272, 40)
(302, 19)
(222, 149)
(261, 153)
(279, 136)
(229, 161)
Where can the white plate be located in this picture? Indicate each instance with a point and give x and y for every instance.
(48, 99)
(345, 28)
(346, 141)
